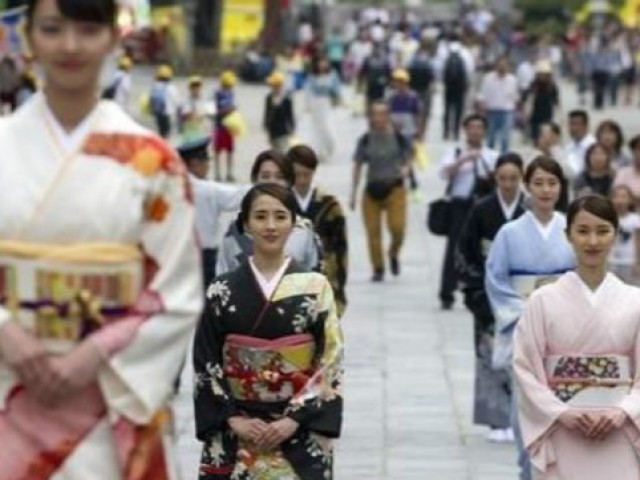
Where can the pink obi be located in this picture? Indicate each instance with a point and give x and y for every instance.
(268, 370)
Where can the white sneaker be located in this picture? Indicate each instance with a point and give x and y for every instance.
(509, 436)
(496, 435)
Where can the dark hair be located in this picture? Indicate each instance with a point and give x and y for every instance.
(615, 128)
(589, 152)
(475, 117)
(581, 114)
(303, 155)
(626, 188)
(280, 193)
(596, 205)
(510, 158)
(634, 142)
(97, 11)
(554, 127)
(547, 164)
(279, 159)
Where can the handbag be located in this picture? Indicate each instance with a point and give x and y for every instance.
(439, 211)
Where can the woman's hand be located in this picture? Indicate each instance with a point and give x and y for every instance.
(248, 429)
(27, 357)
(277, 433)
(605, 422)
(577, 421)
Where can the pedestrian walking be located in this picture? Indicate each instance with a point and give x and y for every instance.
(542, 100)
(609, 135)
(106, 280)
(223, 140)
(598, 175)
(119, 90)
(330, 224)
(279, 121)
(302, 246)
(492, 391)
(195, 114)
(268, 357)
(164, 101)
(422, 72)
(630, 176)
(575, 377)
(498, 97)
(624, 260)
(604, 68)
(456, 80)
(375, 75)
(467, 168)
(581, 140)
(387, 157)
(525, 255)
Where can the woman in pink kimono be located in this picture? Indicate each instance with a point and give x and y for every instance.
(100, 281)
(577, 348)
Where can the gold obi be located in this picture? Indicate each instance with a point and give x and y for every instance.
(590, 380)
(268, 370)
(62, 293)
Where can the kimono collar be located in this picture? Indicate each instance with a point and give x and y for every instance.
(546, 230)
(68, 141)
(268, 287)
(304, 202)
(597, 296)
(509, 210)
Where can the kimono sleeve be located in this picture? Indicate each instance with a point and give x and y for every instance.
(469, 261)
(538, 407)
(212, 400)
(631, 403)
(139, 378)
(318, 406)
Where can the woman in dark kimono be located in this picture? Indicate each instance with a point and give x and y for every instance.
(268, 359)
(492, 403)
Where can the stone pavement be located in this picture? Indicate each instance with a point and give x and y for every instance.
(409, 366)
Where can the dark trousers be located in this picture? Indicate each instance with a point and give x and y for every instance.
(209, 260)
(163, 122)
(449, 279)
(600, 84)
(454, 100)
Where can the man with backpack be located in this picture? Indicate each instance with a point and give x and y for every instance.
(422, 73)
(387, 156)
(375, 74)
(120, 88)
(163, 100)
(456, 79)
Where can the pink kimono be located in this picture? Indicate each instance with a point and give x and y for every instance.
(570, 336)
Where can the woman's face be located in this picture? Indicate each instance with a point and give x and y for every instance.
(544, 189)
(592, 239)
(599, 160)
(608, 138)
(622, 200)
(70, 52)
(270, 173)
(509, 180)
(269, 224)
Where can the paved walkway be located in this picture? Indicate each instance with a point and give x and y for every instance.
(409, 367)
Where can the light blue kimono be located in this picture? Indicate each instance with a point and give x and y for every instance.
(519, 261)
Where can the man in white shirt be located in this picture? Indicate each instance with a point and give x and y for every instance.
(212, 199)
(466, 167)
(580, 141)
(498, 97)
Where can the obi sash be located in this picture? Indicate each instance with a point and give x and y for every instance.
(268, 370)
(527, 283)
(589, 380)
(63, 293)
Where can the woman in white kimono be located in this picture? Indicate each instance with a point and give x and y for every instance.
(576, 357)
(100, 282)
(526, 253)
(303, 245)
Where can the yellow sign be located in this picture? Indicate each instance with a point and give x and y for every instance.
(242, 21)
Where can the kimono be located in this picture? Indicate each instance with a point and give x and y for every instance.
(96, 245)
(268, 358)
(330, 224)
(521, 260)
(492, 398)
(575, 348)
(303, 246)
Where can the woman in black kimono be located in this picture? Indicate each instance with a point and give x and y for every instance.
(492, 403)
(268, 359)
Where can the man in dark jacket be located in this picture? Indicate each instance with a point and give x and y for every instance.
(279, 120)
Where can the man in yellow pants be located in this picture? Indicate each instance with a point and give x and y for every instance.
(387, 155)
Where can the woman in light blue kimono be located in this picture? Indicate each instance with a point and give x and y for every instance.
(526, 254)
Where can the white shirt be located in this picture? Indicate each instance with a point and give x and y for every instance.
(526, 74)
(577, 151)
(268, 287)
(123, 89)
(303, 202)
(624, 251)
(212, 199)
(499, 92)
(509, 210)
(545, 230)
(464, 179)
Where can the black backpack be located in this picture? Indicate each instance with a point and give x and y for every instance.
(378, 71)
(455, 71)
(421, 72)
(109, 93)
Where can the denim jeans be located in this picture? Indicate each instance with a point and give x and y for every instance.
(500, 126)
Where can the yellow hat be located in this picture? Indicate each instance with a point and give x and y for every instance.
(164, 72)
(401, 75)
(125, 63)
(228, 78)
(276, 79)
(195, 80)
